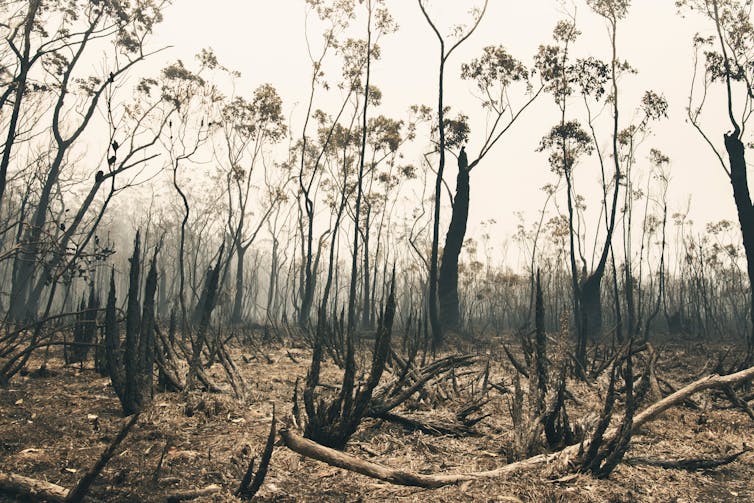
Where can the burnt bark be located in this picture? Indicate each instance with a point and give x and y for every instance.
(133, 321)
(448, 279)
(745, 210)
(590, 301)
(132, 374)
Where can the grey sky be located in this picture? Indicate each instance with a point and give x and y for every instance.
(264, 40)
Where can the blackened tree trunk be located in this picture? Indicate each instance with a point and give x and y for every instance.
(205, 317)
(590, 301)
(739, 181)
(448, 279)
(112, 343)
(540, 341)
(433, 280)
(630, 301)
(271, 314)
(132, 375)
(145, 380)
(133, 322)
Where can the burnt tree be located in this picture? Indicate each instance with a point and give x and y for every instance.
(131, 367)
(448, 279)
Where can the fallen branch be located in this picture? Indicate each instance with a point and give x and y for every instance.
(190, 494)
(78, 492)
(32, 489)
(565, 456)
(690, 464)
(426, 425)
(705, 383)
(340, 459)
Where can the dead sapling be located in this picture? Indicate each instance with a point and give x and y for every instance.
(250, 486)
(203, 315)
(131, 366)
(331, 420)
(604, 454)
(166, 358)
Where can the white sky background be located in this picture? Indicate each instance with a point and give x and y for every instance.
(264, 40)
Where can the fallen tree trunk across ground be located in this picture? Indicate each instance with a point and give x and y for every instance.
(41, 490)
(33, 489)
(340, 459)
(689, 464)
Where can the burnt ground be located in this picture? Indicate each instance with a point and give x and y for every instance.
(54, 425)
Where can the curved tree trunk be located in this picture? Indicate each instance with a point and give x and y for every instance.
(448, 279)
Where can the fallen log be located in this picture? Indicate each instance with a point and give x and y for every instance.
(690, 464)
(333, 457)
(190, 494)
(41, 490)
(705, 383)
(32, 489)
(563, 457)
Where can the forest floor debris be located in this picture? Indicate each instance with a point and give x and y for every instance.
(54, 426)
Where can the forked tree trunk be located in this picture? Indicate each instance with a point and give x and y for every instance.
(131, 370)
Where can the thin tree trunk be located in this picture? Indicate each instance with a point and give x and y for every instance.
(238, 300)
(359, 190)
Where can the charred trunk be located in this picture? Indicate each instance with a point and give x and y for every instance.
(448, 280)
(590, 303)
(738, 180)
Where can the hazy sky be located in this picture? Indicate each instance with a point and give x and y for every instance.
(264, 40)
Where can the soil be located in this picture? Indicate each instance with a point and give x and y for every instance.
(54, 424)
